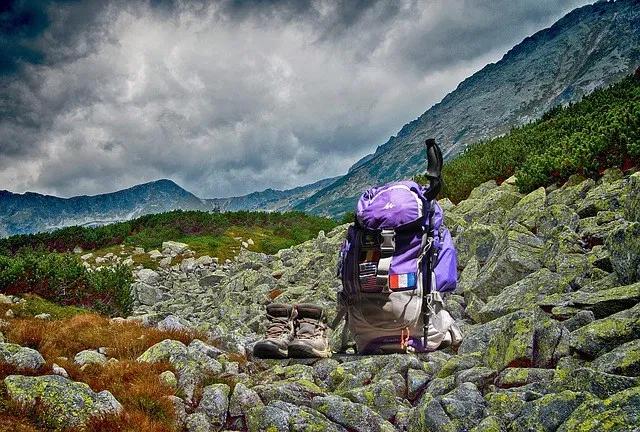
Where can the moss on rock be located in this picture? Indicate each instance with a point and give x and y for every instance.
(61, 403)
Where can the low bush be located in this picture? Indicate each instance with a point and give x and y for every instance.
(216, 229)
(63, 279)
(599, 132)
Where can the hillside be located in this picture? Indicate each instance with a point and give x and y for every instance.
(269, 199)
(600, 131)
(31, 212)
(588, 48)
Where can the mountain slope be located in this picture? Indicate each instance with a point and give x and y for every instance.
(589, 47)
(270, 199)
(31, 212)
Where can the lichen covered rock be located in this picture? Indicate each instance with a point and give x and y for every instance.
(516, 254)
(605, 334)
(20, 357)
(523, 338)
(623, 360)
(61, 402)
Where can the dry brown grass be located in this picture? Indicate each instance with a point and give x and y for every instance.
(65, 338)
(136, 385)
(15, 423)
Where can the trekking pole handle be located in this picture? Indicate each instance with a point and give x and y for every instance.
(434, 168)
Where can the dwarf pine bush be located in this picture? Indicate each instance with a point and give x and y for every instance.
(599, 132)
(61, 277)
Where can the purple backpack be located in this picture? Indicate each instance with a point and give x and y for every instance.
(396, 260)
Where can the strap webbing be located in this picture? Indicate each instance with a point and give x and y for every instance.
(387, 249)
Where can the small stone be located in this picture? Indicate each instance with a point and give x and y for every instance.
(188, 265)
(169, 379)
(175, 247)
(171, 323)
(162, 351)
(155, 254)
(59, 370)
(204, 260)
(148, 276)
(179, 410)
(242, 400)
(215, 403)
(198, 422)
(89, 357)
(43, 316)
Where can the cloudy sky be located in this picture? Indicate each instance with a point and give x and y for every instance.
(229, 97)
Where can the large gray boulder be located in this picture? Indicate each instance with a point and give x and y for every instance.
(623, 360)
(516, 254)
(624, 246)
(619, 412)
(523, 294)
(605, 334)
(475, 241)
(215, 403)
(523, 338)
(350, 415)
(147, 294)
(60, 402)
(20, 357)
(549, 412)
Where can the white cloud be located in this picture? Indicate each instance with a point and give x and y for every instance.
(227, 99)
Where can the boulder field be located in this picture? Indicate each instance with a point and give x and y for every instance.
(548, 301)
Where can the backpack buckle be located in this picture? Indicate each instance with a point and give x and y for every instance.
(388, 245)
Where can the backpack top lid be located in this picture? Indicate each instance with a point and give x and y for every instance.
(391, 206)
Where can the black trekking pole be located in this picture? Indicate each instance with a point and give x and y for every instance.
(433, 175)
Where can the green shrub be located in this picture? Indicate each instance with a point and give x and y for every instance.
(599, 132)
(151, 230)
(63, 279)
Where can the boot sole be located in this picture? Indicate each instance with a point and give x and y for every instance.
(270, 352)
(305, 351)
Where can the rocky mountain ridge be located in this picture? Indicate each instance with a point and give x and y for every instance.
(32, 212)
(590, 47)
(548, 300)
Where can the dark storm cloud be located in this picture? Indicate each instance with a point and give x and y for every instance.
(230, 96)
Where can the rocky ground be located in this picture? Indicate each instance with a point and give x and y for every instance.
(549, 303)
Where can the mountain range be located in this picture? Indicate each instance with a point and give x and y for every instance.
(32, 212)
(590, 47)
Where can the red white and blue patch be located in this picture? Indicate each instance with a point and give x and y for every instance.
(403, 281)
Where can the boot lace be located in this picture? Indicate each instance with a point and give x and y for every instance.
(277, 326)
(310, 328)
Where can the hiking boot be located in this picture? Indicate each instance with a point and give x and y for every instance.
(311, 333)
(279, 333)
